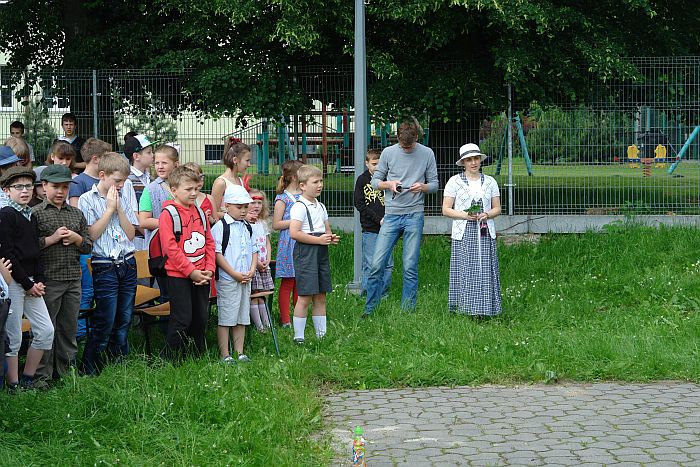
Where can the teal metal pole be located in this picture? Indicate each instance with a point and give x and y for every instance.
(684, 149)
(502, 151)
(258, 138)
(383, 138)
(523, 144)
(266, 147)
(280, 144)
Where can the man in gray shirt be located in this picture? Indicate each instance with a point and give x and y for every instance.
(406, 171)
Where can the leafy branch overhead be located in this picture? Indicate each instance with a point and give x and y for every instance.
(423, 55)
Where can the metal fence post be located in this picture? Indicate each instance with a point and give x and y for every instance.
(510, 151)
(95, 122)
(360, 143)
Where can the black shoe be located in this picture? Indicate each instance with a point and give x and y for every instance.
(299, 340)
(27, 383)
(13, 389)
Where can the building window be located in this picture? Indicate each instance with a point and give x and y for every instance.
(213, 153)
(56, 98)
(6, 100)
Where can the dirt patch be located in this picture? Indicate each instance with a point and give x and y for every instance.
(517, 239)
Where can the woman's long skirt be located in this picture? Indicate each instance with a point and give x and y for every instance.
(475, 289)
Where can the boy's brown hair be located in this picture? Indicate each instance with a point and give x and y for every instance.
(181, 174)
(305, 172)
(94, 147)
(112, 162)
(373, 154)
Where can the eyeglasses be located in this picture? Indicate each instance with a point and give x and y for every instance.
(23, 187)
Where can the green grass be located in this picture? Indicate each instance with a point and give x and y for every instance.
(621, 305)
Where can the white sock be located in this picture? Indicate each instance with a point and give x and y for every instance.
(319, 325)
(299, 325)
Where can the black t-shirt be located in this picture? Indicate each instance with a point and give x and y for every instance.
(369, 202)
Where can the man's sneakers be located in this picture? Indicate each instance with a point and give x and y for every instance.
(243, 358)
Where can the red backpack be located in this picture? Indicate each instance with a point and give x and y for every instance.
(156, 258)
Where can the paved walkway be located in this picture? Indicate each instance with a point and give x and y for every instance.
(594, 424)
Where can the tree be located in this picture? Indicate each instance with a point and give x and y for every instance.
(39, 131)
(241, 52)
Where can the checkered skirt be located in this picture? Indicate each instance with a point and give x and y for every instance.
(262, 281)
(474, 290)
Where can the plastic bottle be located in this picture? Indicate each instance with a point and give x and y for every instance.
(358, 449)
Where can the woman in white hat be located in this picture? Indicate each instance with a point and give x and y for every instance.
(473, 200)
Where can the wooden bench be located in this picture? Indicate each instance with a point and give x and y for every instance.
(145, 306)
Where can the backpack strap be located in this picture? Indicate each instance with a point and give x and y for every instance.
(227, 233)
(177, 222)
(248, 227)
(226, 236)
(202, 217)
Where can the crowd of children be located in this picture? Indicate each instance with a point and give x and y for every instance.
(68, 237)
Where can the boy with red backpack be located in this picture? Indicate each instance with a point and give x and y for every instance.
(188, 251)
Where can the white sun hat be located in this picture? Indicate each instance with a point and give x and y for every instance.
(469, 150)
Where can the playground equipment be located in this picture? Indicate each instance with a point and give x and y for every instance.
(684, 149)
(523, 146)
(659, 160)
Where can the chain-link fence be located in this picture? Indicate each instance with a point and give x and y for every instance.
(608, 150)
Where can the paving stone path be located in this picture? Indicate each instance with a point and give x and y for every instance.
(587, 424)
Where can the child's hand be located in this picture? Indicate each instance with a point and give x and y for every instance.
(57, 236)
(208, 274)
(260, 266)
(266, 263)
(325, 239)
(112, 198)
(37, 290)
(335, 239)
(198, 277)
(212, 219)
(6, 264)
(70, 237)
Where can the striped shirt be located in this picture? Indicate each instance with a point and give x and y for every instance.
(113, 242)
(140, 181)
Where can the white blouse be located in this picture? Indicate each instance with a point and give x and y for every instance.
(464, 193)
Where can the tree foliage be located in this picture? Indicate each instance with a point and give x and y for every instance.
(424, 56)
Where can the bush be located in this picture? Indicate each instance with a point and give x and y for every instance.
(554, 134)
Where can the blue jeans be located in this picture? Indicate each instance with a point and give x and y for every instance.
(369, 241)
(410, 226)
(115, 289)
(87, 294)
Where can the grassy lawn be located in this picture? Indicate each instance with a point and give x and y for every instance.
(621, 305)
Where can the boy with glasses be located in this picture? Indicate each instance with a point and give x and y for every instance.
(19, 243)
